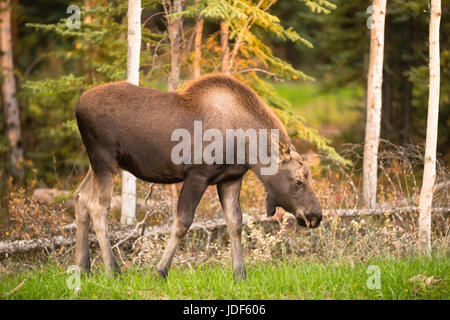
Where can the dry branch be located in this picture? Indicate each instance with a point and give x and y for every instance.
(442, 186)
(16, 288)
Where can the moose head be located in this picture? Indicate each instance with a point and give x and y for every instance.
(291, 188)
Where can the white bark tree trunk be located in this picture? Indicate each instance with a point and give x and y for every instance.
(374, 85)
(10, 106)
(429, 174)
(128, 215)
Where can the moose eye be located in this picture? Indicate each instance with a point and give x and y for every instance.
(298, 182)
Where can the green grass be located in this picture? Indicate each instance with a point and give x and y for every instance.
(299, 280)
(337, 109)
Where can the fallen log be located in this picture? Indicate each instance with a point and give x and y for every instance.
(131, 233)
(22, 246)
(377, 211)
(49, 195)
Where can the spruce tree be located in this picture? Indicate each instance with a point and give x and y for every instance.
(100, 52)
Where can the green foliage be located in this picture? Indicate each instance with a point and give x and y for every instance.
(251, 27)
(65, 84)
(340, 58)
(400, 279)
(96, 53)
(320, 6)
(216, 9)
(79, 59)
(54, 65)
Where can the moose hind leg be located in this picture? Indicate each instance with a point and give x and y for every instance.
(99, 211)
(82, 222)
(229, 198)
(191, 193)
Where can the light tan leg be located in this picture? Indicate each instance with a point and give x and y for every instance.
(191, 193)
(229, 198)
(82, 222)
(99, 212)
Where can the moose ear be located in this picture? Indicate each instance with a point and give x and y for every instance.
(270, 205)
(284, 149)
(285, 152)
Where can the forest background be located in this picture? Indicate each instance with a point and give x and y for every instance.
(53, 66)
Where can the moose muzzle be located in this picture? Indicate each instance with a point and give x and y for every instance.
(311, 219)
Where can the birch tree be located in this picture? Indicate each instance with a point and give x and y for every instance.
(128, 215)
(429, 174)
(374, 87)
(11, 113)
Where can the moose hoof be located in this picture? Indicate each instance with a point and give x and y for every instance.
(116, 269)
(162, 272)
(113, 269)
(240, 275)
(86, 269)
(85, 266)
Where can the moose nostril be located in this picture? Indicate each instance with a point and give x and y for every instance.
(315, 220)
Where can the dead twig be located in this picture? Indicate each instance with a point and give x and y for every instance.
(16, 288)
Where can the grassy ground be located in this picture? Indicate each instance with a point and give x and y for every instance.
(333, 112)
(412, 278)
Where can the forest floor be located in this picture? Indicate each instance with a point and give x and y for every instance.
(406, 278)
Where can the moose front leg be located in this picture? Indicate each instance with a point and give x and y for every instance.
(191, 193)
(229, 198)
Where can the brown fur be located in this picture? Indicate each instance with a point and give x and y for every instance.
(247, 98)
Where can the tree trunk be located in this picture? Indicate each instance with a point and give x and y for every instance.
(224, 36)
(128, 215)
(429, 174)
(175, 28)
(15, 20)
(11, 113)
(374, 86)
(87, 6)
(198, 46)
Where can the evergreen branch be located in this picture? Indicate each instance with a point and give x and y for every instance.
(239, 39)
(319, 6)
